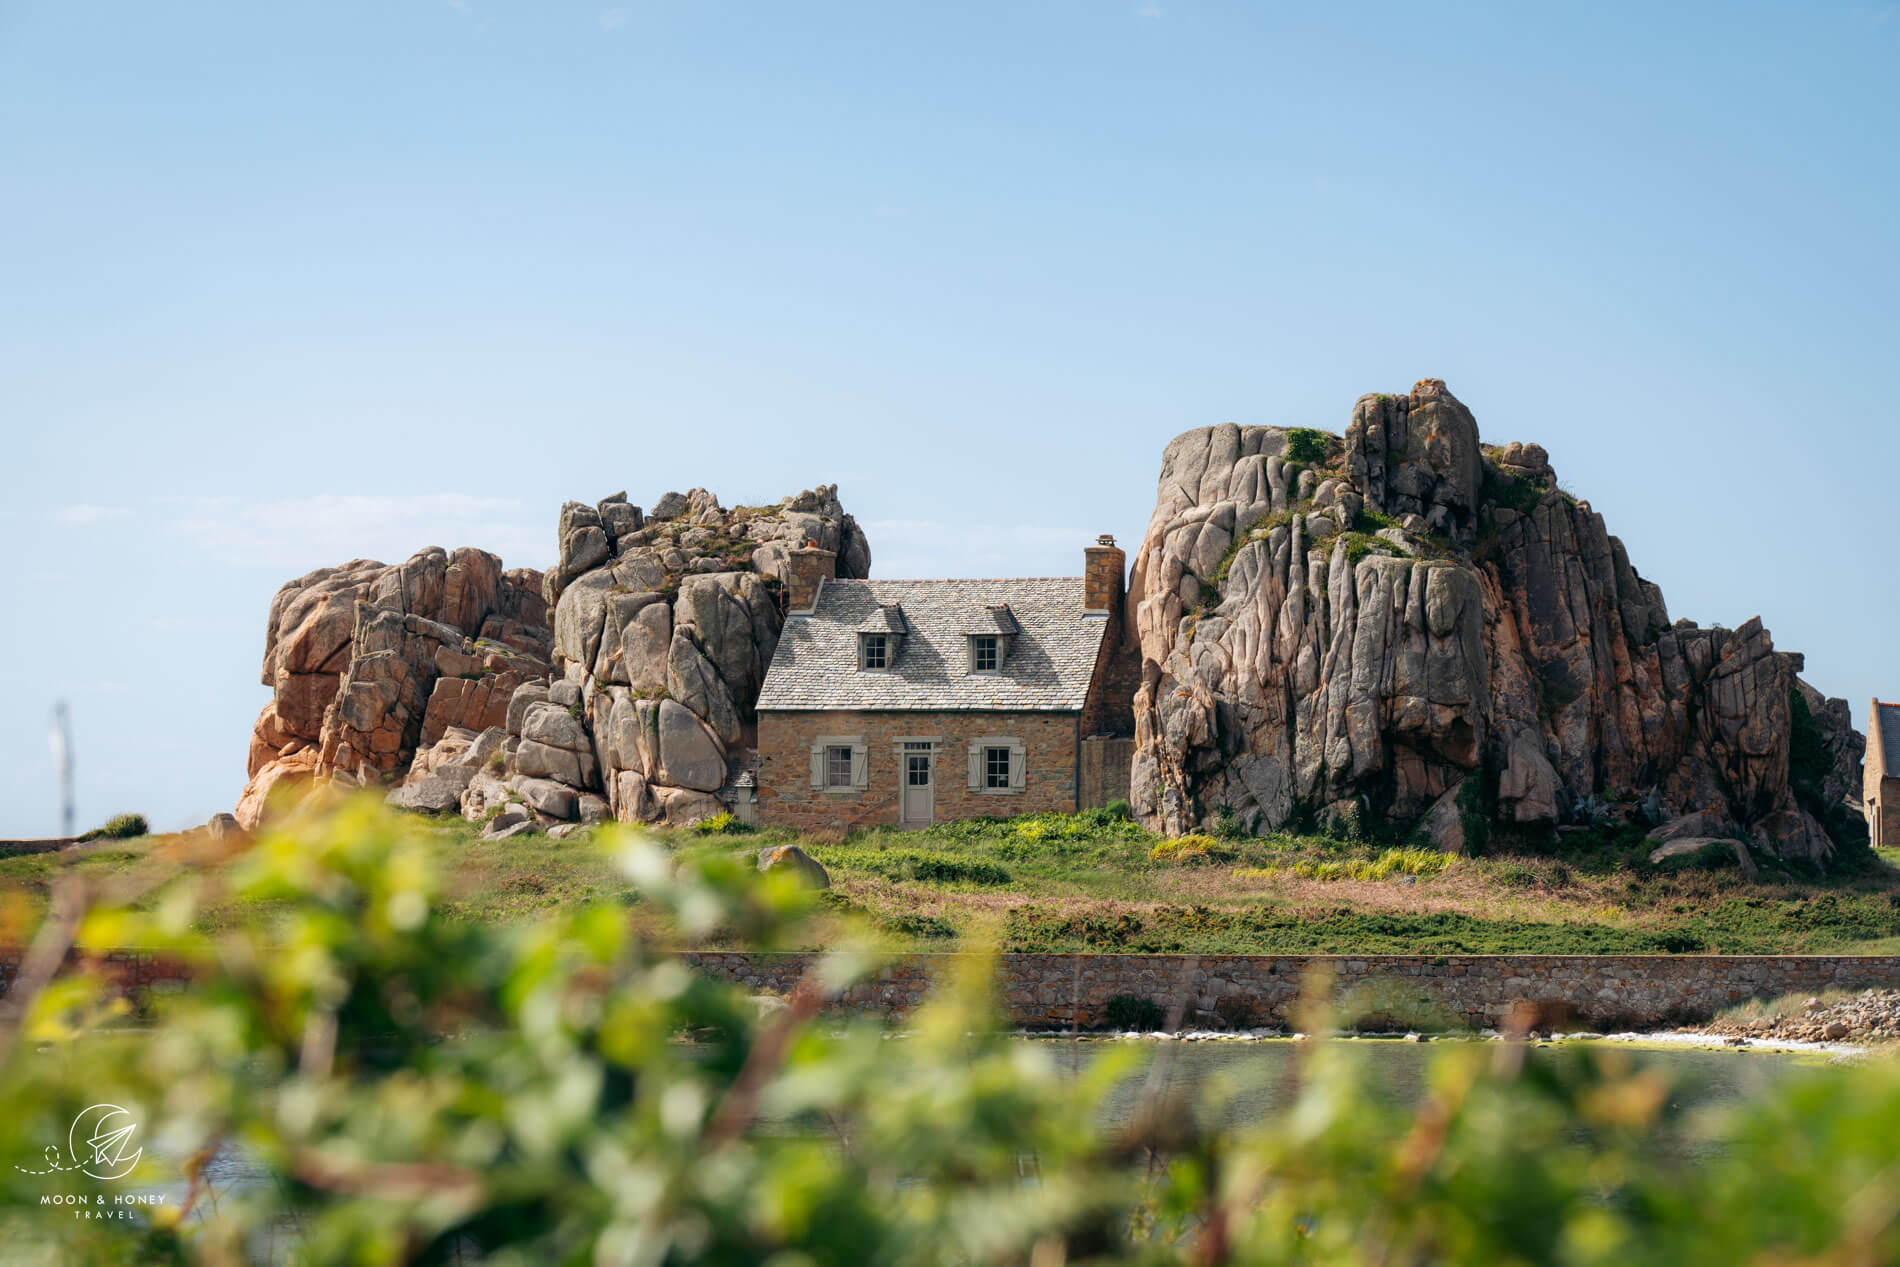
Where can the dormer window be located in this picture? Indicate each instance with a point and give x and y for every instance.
(989, 630)
(881, 637)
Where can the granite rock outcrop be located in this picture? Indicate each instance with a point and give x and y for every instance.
(620, 683)
(663, 625)
(1405, 625)
(369, 662)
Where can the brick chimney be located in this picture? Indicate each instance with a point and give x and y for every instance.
(809, 567)
(1104, 566)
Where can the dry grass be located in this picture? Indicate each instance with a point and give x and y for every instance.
(1782, 1007)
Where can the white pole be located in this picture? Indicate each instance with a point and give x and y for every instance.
(63, 761)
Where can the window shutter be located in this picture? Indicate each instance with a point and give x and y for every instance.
(1016, 766)
(817, 765)
(976, 766)
(860, 766)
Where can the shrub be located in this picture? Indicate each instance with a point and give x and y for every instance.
(1227, 824)
(1348, 822)
(1305, 445)
(1115, 811)
(1127, 1011)
(1087, 825)
(724, 823)
(931, 869)
(1408, 861)
(410, 1088)
(120, 827)
(930, 927)
(1507, 490)
(1187, 850)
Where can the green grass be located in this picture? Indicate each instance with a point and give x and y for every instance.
(1099, 882)
(1360, 544)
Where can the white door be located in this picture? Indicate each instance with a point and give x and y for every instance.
(919, 793)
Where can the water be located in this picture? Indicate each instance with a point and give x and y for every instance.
(1260, 1073)
(1262, 1079)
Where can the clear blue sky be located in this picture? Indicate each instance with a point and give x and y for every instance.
(288, 284)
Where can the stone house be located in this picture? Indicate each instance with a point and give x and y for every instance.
(1880, 776)
(911, 702)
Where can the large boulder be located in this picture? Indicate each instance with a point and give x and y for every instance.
(683, 807)
(548, 797)
(1528, 787)
(1458, 617)
(440, 777)
(369, 663)
(1443, 825)
(661, 641)
(694, 684)
(1418, 455)
(630, 669)
(278, 784)
(436, 793)
(792, 859)
(690, 753)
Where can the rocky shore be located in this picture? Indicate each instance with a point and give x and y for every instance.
(1871, 1015)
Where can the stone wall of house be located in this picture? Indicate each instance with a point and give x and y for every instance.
(1637, 991)
(1880, 787)
(1104, 771)
(1110, 707)
(787, 798)
(1883, 813)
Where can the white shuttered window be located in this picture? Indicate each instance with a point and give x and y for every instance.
(840, 763)
(996, 764)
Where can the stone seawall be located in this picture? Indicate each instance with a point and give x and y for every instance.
(1055, 991)
(1408, 991)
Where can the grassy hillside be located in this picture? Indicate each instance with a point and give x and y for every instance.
(1097, 883)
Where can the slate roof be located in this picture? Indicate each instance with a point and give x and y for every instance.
(1048, 669)
(1889, 737)
(990, 620)
(885, 619)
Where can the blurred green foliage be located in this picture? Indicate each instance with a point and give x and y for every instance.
(418, 1089)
